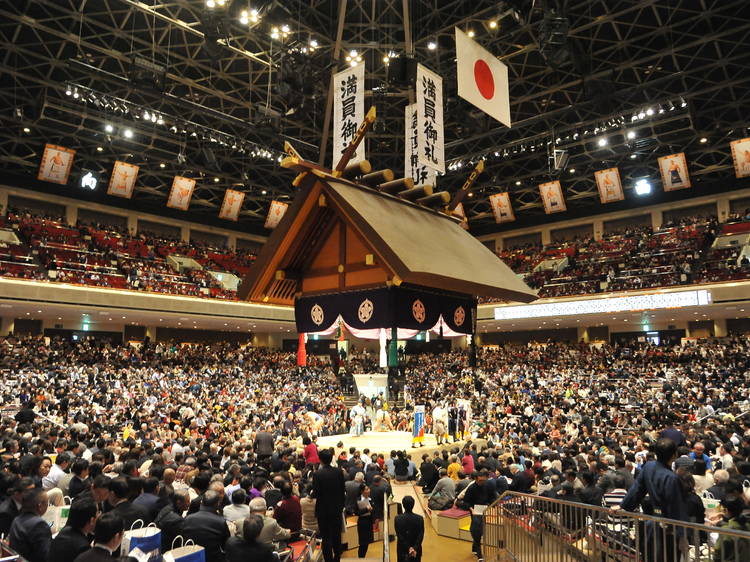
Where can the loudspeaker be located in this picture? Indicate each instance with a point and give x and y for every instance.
(402, 71)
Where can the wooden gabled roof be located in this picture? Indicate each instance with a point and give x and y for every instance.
(338, 235)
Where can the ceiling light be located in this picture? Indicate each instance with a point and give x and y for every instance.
(432, 45)
(68, 91)
(284, 28)
(109, 128)
(162, 165)
(704, 140)
(99, 149)
(642, 187)
(217, 180)
(649, 111)
(518, 182)
(26, 130)
(572, 170)
(263, 192)
(631, 134)
(602, 142)
(633, 156)
(471, 33)
(493, 24)
(127, 133)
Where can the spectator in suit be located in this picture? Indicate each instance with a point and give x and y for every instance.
(248, 548)
(238, 510)
(409, 533)
(170, 519)
(11, 507)
(30, 535)
(108, 534)
(150, 498)
(351, 492)
(208, 528)
(328, 487)
(264, 443)
(272, 533)
(80, 480)
(74, 537)
(119, 492)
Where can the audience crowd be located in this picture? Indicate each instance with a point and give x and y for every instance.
(218, 442)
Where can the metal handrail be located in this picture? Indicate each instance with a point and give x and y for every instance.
(534, 528)
(386, 532)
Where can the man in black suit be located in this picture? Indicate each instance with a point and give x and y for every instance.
(108, 534)
(170, 519)
(30, 535)
(328, 487)
(264, 443)
(73, 539)
(207, 528)
(119, 492)
(409, 533)
(11, 507)
(248, 547)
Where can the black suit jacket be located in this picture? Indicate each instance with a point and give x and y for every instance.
(96, 554)
(409, 532)
(239, 550)
(68, 544)
(209, 530)
(8, 512)
(328, 486)
(170, 522)
(30, 537)
(130, 513)
(264, 443)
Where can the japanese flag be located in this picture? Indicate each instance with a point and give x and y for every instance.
(482, 79)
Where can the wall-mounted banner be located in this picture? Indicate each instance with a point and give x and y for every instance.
(421, 174)
(122, 181)
(674, 172)
(230, 208)
(609, 184)
(181, 193)
(741, 156)
(502, 208)
(552, 197)
(430, 134)
(275, 213)
(348, 111)
(56, 164)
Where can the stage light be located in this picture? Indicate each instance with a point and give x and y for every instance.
(386, 59)
(99, 149)
(26, 130)
(633, 156)
(432, 45)
(641, 115)
(263, 192)
(210, 4)
(76, 95)
(313, 44)
(493, 24)
(683, 104)
(217, 180)
(127, 133)
(471, 33)
(642, 187)
(518, 182)
(68, 91)
(162, 165)
(704, 140)
(649, 112)
(146, 115)
(602, 142)
(572, 170)
(631, 134)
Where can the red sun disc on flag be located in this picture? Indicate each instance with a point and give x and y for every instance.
(484, 80)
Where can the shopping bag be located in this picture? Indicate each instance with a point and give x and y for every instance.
(146, 539)
(56, 517)
(188, 551)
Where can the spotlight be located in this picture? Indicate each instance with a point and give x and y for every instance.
(76, 95)
(162, 165)
(704, 140)
(68, 91)
(99, 149)
(263, 192)
(633, 156)
(649, 112)
(471, 33)
(602, 142)
(572, 170)
(127, 133)
(642, 187)
(631, 134)
(26, 130)
(217, 180)
(518, 182)
(432, 45)
(313, 43)
(493, 24)
(683, 104)
(109, 128)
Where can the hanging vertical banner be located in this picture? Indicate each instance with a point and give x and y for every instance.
(421, 174)
(56, 164)
(609, 184)
(122, 181)
(741, 156)
(501, 207)
(674, 172)
(230, 208)
(348, 111)
(275, 213)
(552, 197)
(430, 134)
(181, 193)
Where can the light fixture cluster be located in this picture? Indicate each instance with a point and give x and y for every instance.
(249, 16)
(353, 57)
(120, 108)
(280, 32)
(621, 123)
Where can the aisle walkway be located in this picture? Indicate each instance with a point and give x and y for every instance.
(434, 547)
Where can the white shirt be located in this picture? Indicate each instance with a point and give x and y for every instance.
(53, 478)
